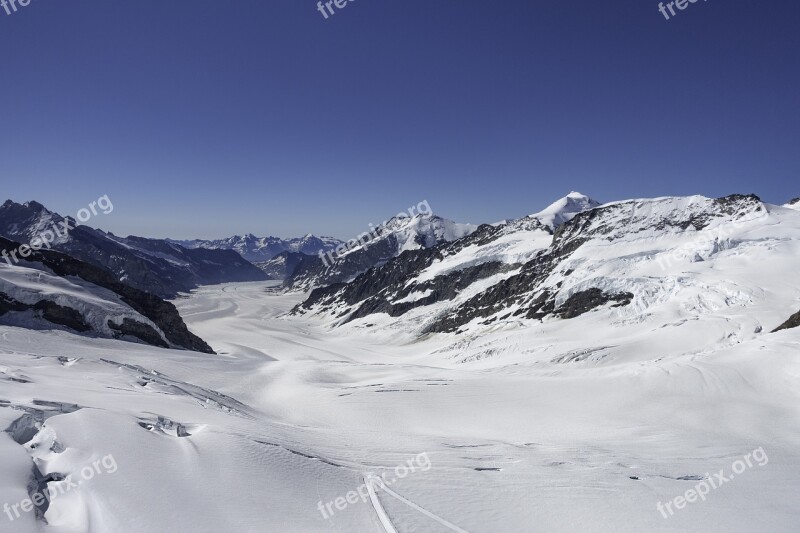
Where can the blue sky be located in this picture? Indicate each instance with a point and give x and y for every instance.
(204, 118)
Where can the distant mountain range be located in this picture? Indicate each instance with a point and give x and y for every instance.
(298, 262)
(260, 249)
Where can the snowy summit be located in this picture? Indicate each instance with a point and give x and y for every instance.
(565, 209)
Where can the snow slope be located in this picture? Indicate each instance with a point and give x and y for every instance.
(290, 415)
(95, 304)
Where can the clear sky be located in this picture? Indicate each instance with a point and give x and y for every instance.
(207, 118)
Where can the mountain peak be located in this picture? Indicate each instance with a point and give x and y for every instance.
(35, 205)
(565, 209)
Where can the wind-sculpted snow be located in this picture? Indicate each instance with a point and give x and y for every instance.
(562, 425)
(155, 381)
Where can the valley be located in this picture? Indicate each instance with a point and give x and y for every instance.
(594, 415)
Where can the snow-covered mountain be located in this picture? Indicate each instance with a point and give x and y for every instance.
(630, 259)
(282, 265)
(152, 265)
(484, 251)
(793, 204)
(260, 249)
(565, 209)
(389, 240)
(50, 290)
(419, 231)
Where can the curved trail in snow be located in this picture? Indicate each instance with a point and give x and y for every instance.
(371, 480)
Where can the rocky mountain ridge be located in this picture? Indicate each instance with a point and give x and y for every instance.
(152, 265)
(611, 256)
(51, 289)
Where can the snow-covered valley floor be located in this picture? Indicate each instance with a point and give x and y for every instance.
(287, 421)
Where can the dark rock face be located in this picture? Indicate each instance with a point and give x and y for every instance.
(376, 288)
(8, 304)
(312, 270)
(794, 201)
(395, 277)
(584, 301)
(395, 280)
(151, 265)
(284, 264)
(50, 311)
(65, 316)
(793, 322)
(373, 250)
(139, 330)
(439, 289)
(374, 280)
(516, 290)
(162, 313)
